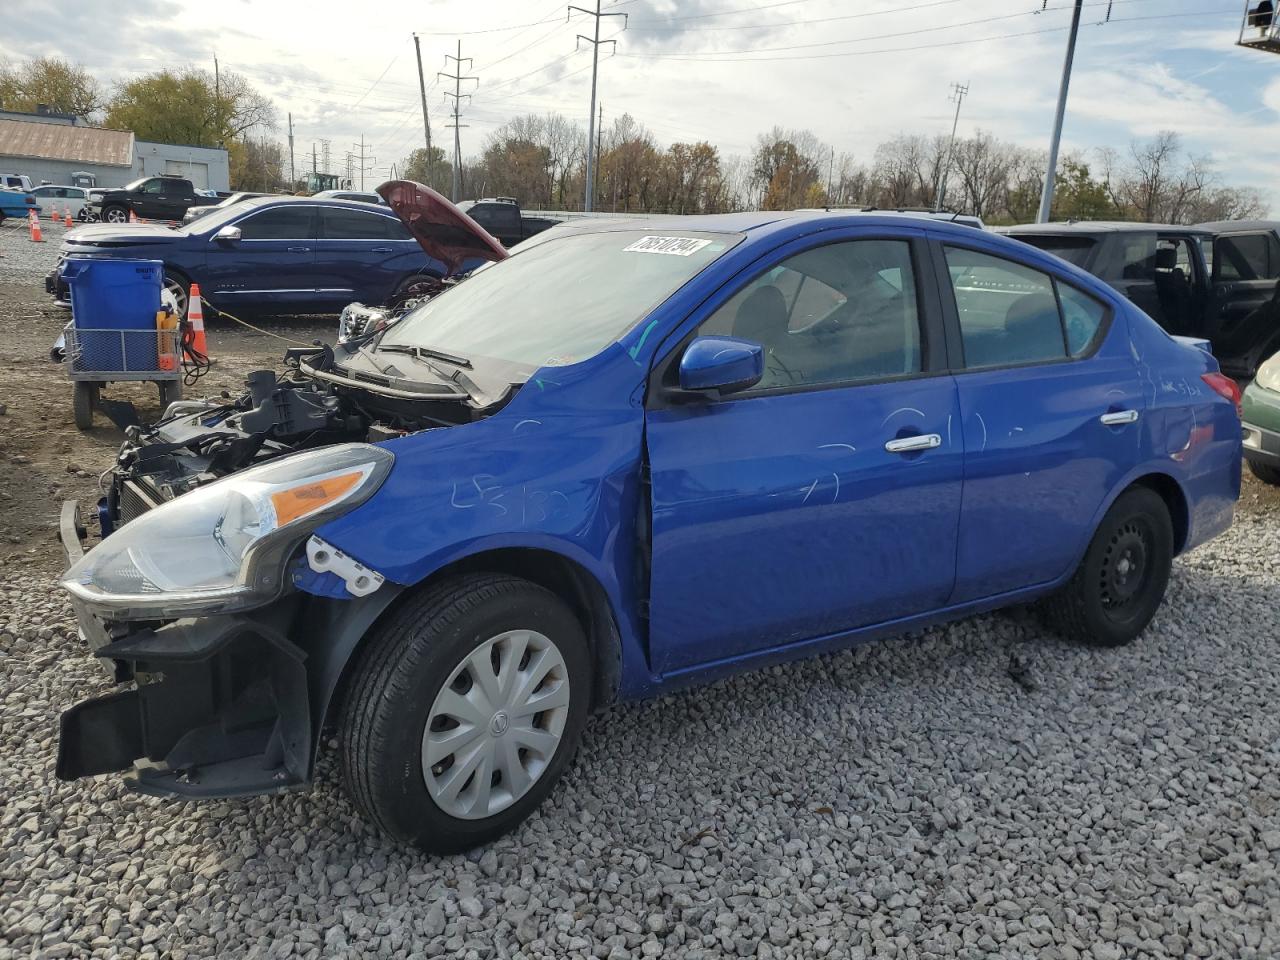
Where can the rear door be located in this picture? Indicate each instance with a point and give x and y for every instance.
(1050, 404)
(1246, 317)
(826, 497)
(362, 255)
(273, 264)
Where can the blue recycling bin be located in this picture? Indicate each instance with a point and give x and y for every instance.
(108, 296)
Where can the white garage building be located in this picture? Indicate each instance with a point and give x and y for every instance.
(50, 147)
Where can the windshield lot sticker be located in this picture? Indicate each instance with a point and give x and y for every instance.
(673, 246)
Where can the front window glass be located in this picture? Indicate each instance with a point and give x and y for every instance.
(280, 223)
(152, 186)
(839, 313)
(560, 301)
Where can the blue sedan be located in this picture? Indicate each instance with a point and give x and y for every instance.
(271, 255)
(631, 457)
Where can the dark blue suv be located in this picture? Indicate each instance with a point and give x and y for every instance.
(271, 255)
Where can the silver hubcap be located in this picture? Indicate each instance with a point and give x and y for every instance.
(495, 725)
(179, 295)
(116, 216)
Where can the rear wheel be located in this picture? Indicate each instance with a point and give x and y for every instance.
(83, 400)
(1264, 472)
(1119, 584)
(463, 711)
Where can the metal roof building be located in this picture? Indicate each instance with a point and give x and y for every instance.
(50, 147)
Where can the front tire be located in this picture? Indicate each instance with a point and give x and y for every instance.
(463, 711)
(1121, 581)
(84, 399)
(115, 214)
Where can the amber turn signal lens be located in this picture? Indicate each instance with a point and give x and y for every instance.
(309, 497)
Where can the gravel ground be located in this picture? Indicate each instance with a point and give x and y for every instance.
(973, 791)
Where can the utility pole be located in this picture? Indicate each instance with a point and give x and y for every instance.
(595, 42)
(831, 169)
(426, 123)
(1046, 197)
(217, 101)
(958, 93)
(599, 130)
(293, 180)
(457, 95)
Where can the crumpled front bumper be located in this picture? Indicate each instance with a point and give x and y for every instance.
(218, 706)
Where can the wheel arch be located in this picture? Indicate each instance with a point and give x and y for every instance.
(1175, 500)
(350, 623)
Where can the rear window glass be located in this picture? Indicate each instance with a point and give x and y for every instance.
(342, 224)
(1252, 256)
(1082, 316)
(1008, 312)
(1074, 250)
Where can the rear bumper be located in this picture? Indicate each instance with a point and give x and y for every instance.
(1261, 426)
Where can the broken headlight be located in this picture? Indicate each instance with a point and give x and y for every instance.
(223, 547)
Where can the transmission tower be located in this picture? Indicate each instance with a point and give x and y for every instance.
(457, 77)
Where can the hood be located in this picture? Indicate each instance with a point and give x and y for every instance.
(118, 235)
(441, 229)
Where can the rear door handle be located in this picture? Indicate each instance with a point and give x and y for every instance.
(299, 249)
(925, 441)
(1118, 417)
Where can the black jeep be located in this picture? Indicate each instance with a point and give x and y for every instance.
(1214, 280)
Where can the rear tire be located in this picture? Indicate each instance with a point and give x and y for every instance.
(485, 674)
(1121, 581)
(84, 398)
(1264, 472)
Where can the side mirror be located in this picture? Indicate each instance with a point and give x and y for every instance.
(721, 365)
(227, 234)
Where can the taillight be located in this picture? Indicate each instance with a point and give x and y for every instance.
(1227, 388)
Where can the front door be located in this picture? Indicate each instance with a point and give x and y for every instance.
(1050, 405)
(271, 266)
(826, 497)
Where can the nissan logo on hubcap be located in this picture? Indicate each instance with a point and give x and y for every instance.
(498, 725)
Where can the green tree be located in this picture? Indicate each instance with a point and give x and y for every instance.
(1077, 196)
(414, 167)
(52, 81)
(188, 107)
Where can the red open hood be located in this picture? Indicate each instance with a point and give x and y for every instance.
(443, 231)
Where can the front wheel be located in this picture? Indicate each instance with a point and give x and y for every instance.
(115, 214)
(84, 399)
(1119, 584)
(464, 709)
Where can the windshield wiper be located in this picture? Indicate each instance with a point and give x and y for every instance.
(424, 355)
(427, 353)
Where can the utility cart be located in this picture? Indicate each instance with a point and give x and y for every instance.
(118, 331)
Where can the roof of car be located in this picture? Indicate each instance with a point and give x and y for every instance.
(1099, 226)
(251, 202)
(1230, 226)
(753, 220)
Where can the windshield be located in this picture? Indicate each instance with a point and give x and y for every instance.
(561, 301)
(135, 184)
(1074, 250)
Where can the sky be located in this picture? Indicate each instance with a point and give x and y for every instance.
(855, 72)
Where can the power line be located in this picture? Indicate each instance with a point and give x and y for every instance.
(921, 46)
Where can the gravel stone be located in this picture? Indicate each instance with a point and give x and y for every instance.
(907, 799)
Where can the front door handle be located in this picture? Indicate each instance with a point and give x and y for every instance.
(382, 250)
(1117, 417)
(925, 441)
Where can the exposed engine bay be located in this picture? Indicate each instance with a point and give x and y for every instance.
(327, 395)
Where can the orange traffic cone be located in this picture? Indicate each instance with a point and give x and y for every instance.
(36, 235)
(195, 317)
(133, 217)
(67, 220)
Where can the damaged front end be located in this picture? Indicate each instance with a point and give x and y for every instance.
(211, 597)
